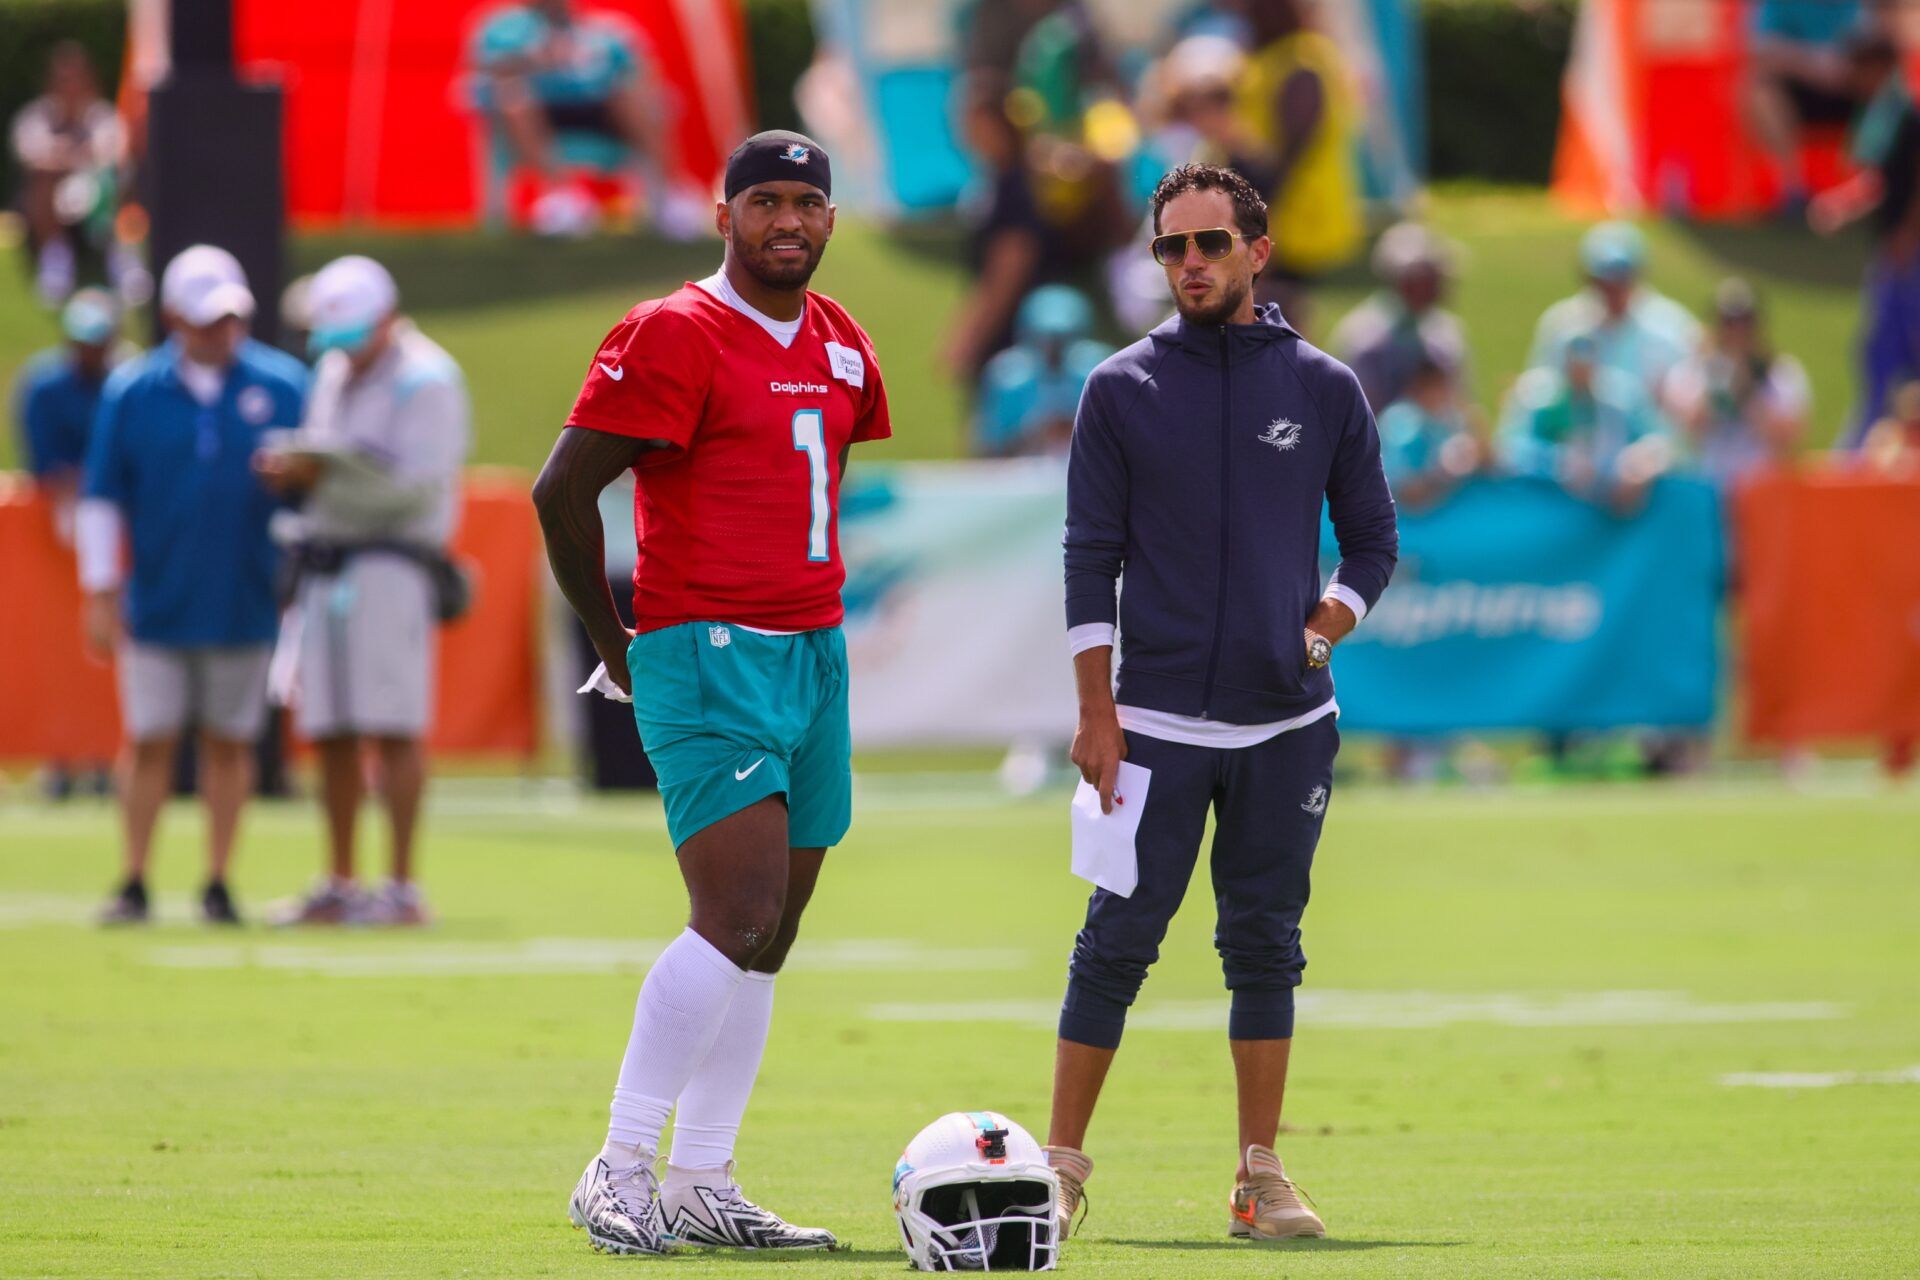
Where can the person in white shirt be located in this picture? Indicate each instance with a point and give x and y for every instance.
(378, 462)
(69, 143)
(1739, 404)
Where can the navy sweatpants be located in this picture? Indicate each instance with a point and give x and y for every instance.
(1269, 801)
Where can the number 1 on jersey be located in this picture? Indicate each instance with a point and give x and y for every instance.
(810, 434)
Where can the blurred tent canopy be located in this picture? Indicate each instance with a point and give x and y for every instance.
(881, 93)
(379, 128)
(1652, 117)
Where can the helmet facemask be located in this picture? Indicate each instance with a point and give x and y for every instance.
(991, 1226)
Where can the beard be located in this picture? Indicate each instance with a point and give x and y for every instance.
(1218, 311)
(772, 272)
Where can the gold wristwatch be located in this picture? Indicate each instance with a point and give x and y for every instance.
(1319, 650)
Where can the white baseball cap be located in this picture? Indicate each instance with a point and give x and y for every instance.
(348, 298)
(204, 284)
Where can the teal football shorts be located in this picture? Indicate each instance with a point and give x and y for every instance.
(730, 716)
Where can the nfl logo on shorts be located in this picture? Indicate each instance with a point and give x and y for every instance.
(719, 637)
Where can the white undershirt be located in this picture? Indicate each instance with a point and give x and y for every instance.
(1198, 731)
(202, 381)
(781, 331)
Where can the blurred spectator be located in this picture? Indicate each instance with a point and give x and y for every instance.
(1885, 144)
(1427, 447)
(296, 315)
(1797, 76)
(70, 145)
(55, 400)
(1029, 392)
(1010, 247)
(169, 477)
(1739, 404)
(1892, 446)
(1586, 426)
(1427, 442)
(1635, 330)
(58, 395)
(1052, 47)
(574, 91)
(1187, 107)
(1403, 326)
(1187, 103)
(377, 463)
(1297, 107)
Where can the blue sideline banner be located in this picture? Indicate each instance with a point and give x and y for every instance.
(1518, 606)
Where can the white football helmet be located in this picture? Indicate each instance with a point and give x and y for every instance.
(973, 1192)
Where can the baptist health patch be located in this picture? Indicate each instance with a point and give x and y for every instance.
(848, 365)
(255, 405)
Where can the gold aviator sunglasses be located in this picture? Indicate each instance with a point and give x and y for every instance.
(1215, 243)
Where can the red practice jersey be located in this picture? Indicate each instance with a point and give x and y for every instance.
(739, 520)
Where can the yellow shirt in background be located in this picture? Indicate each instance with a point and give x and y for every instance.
(1316, 219)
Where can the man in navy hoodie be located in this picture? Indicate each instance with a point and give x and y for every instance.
(1201, 455)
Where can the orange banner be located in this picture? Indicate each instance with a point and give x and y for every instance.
(1830, 605)
(58, 705)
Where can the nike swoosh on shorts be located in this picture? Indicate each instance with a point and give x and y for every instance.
(612, 371)
(740, 775)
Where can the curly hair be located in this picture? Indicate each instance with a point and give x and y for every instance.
(1249, 210)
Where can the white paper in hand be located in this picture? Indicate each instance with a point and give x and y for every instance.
(1103, 843)
(602, 683)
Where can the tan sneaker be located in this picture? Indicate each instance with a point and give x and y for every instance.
(330, 901)
(1072, 1168)
(1268, 1206)
(393, 904)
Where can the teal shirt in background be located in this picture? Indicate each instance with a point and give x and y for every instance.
(1807, 21)
(600, 56)
(1547, 426)
(1021, 391)
(1411, 440)
(1656, 334)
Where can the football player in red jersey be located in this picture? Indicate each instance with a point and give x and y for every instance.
(735, 401)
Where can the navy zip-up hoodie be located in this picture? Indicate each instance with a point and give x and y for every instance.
(1200, 458)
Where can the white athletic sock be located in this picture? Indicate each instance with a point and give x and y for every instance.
(708, 1121)
(682, 1005)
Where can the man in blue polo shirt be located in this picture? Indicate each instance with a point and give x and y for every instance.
(191, 615)
(58, 395)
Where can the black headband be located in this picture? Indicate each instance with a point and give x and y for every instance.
(778, 156)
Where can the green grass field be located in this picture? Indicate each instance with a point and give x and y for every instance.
(522, 316)
(1520, 1011)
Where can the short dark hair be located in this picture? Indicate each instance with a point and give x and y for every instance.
(1249, 210)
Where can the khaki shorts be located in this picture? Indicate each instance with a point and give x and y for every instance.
(366, 650)
(220, 688)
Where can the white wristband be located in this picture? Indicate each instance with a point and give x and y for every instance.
(1088, 635)
(1347, 596)
(97, 534)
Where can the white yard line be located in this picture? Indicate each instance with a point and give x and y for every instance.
(1401, 1010)
(537, 956)
(1818, 1079)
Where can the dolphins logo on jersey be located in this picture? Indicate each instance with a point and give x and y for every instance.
(1282, 434)
(1316, 801)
